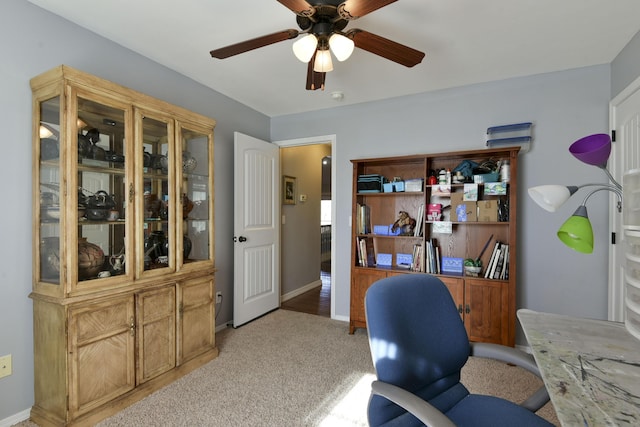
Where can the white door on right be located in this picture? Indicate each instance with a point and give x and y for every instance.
(625, 155)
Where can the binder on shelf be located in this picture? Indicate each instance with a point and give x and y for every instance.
(372, 183)
(452, 266)
(517, 134)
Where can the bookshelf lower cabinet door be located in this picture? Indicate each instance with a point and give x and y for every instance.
(456, 288)
(360, 282)
(486, 311)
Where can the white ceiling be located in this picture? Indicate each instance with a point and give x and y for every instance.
(466, 41)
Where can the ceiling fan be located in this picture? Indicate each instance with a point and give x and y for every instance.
(323, 22)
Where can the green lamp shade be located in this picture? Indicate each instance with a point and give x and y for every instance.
(577, 233)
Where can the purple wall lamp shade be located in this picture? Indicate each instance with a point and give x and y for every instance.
(593, 149)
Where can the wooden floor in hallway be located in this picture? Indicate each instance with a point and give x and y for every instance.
(316, 301)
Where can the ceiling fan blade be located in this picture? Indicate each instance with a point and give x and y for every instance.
(245, 46)
(354, 9)
(386, 48)
(300, 7)
(315, 80)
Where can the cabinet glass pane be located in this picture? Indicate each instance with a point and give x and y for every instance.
(158, 194)
(49, 135)
(102, 190)
(195, 196)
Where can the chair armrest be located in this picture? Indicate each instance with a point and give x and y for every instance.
(518, 358)
(419, 408)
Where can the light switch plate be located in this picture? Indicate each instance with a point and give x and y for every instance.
(5, 366)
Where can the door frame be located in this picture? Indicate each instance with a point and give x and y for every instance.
(313, 140)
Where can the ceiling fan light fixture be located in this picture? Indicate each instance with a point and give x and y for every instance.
(323, 63)
(304, 48)
(341, 46)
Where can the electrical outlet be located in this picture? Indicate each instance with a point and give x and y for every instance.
(5, 366)
(218, 297)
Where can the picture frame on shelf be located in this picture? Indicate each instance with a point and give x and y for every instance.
(288, 190)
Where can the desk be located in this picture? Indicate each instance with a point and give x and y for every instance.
(591, 368)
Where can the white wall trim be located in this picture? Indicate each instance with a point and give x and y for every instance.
(301, 290)
(16, 418)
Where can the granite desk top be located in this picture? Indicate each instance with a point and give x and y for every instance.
(591, 368)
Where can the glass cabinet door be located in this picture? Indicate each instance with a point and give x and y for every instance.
(49, 212)
(102, 189)
(156, 228)
(196, 196)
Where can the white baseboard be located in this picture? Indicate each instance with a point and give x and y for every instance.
(16, 418)
(300, 291)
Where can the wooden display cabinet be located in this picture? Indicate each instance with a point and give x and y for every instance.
(124, 258)
(486, 305)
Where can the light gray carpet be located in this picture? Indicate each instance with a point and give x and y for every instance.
(293, 369)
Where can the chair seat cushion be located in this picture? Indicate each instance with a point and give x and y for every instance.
(487, 411)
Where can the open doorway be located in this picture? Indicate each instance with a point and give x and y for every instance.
(306, 243)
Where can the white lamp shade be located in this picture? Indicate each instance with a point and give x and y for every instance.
(551, 197)
(305, 47)
(323, 62)
(341, 46)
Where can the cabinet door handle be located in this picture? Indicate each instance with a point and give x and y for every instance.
(460, 308)
(467, 309)
(132, 327)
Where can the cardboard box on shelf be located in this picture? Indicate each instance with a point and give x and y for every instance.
(488, 210)
(464, 212)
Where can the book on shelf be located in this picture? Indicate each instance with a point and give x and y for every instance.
(498, 268)
(363, 219)
(492, 259)
(417, 231)
(505, 266)
(417, 262)
(366, 252)
(428, 258)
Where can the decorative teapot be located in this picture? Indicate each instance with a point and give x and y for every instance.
(99, 205)
(117, 262)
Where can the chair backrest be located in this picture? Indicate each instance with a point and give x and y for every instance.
(417, 341)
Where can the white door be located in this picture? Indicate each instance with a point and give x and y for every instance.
(256, 229)
(625, 155)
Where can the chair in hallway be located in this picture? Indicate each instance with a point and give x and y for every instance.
(419, 345)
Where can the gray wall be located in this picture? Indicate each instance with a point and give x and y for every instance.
(564, 106)
(34, 41)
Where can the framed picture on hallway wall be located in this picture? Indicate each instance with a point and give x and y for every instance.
(288, 190)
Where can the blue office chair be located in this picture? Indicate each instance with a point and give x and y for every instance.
(419, 344)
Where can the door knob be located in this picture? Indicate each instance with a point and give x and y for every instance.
(242, 239)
